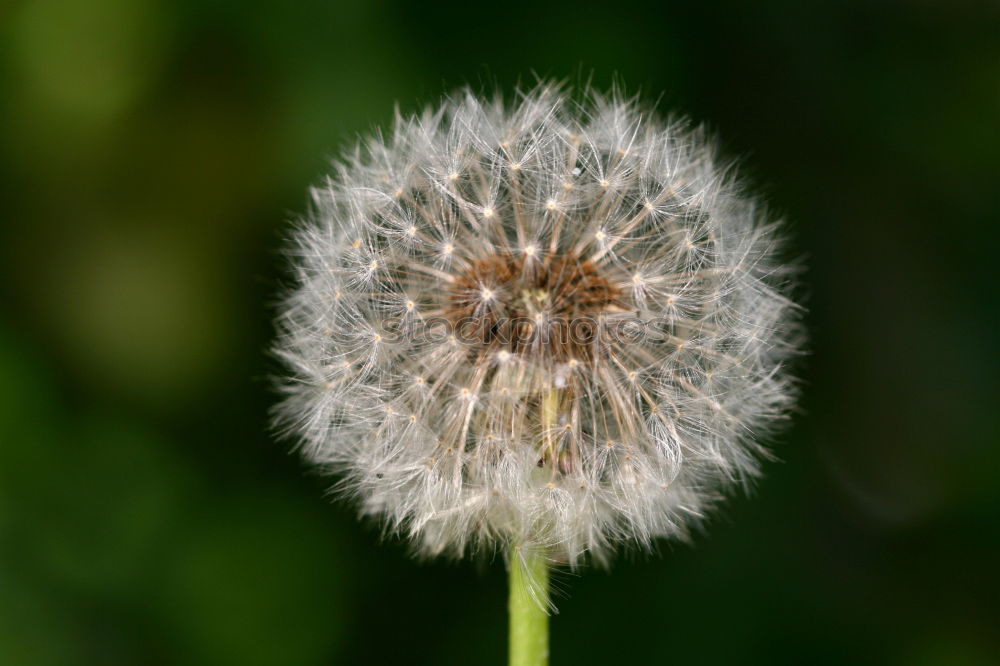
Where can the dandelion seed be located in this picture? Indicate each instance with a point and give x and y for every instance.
(596, 367)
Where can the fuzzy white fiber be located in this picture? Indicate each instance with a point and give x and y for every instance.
(403, 374)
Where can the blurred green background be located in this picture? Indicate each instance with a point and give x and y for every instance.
(151, 156)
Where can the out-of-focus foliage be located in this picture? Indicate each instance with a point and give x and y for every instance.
(152, 156)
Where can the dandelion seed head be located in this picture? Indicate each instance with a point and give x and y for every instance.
(580, 371)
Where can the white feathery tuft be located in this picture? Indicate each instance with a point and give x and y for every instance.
(552, 323)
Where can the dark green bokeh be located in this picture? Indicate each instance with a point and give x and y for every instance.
(153, 154)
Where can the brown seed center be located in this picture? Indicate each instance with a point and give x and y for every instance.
(549, 306)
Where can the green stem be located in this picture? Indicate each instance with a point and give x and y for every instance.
(529, 618)
(528, 604)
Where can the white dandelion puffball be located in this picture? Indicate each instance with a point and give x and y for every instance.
(558, 322)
